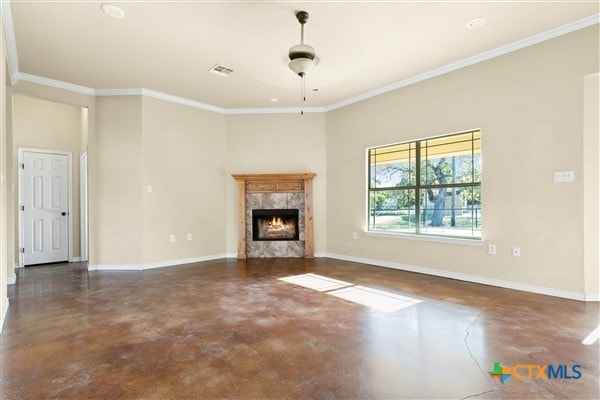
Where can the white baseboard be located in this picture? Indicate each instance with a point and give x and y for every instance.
(142, 267)
(4, 313)
(11, 280)
(411, 268)
(115, 267)
(17, 265)
(592, 296)
(472, 278)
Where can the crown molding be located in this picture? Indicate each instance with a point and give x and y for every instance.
(487, 55)
(20, 76)
(117, 92)
(280, 110)
(183, 101)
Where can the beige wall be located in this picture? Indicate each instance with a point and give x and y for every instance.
(47, 125)
(591, 179)
(184, 162)
(277, 143)
(119, 181)
(179, 152)
(528, 105)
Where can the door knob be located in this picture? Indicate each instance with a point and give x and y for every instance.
(63, 213)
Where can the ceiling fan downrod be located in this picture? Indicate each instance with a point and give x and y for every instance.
(302, 58)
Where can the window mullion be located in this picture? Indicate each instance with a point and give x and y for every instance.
(417, 190)
(371, 212)
(449, 185)
(472, 181)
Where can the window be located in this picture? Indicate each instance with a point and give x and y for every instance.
(428, 187)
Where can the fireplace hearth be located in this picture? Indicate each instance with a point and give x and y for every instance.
(275, 224)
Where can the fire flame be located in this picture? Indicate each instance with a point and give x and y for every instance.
(276, 224)
(276, 227)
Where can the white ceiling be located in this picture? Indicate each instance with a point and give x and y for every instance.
(362, 45)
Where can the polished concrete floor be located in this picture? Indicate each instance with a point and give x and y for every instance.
(232, 329)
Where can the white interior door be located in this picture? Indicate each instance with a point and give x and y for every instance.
(45, 201)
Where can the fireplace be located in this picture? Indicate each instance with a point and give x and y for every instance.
(275, 224)
(278, 198)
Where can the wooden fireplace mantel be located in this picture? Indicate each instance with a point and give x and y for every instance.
(270, 183)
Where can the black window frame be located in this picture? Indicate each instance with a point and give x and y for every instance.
(418, 186)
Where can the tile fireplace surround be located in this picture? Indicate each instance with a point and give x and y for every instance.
(275, 191)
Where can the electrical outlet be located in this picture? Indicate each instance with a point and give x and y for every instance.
(149, 189)
(189, 236)
(492, 249)
(354, 235)
(516, 252)
(172, 238)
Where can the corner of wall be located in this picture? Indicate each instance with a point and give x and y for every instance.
(591, 185)
(4, 180)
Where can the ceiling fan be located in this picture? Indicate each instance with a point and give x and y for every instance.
(302, 58)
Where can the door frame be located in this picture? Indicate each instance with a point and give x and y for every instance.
(83, 205)
(69, 200)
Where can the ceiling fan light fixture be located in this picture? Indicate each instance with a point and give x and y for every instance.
(301, 66)
(302, 59)
(302, 51)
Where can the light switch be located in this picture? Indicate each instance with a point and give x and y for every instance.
(564, 176)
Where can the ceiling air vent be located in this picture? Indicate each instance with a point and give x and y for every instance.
(220, 70)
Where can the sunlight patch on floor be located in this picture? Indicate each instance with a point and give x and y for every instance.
(376, 299)
(592, 337)
(372, 298)
(316, 282)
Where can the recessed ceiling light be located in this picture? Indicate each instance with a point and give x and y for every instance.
(274, 99)
(476, 23)
(113, 10)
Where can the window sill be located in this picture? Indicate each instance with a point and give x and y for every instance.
(425, 238)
